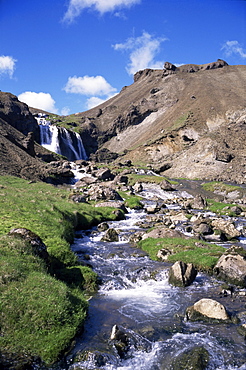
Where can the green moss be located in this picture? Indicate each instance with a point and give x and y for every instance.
(203, 255)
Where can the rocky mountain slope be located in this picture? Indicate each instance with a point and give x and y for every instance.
(185, 122)
(20, 154)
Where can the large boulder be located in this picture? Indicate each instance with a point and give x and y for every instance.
(226, 227)
(182, 274)
(207, 309)
(232, 267)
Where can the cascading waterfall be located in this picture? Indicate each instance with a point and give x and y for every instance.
(61, 141)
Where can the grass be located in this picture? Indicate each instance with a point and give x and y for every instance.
(204, 257)
(220, 208)
(42, 307)
(220, 186)
(131, 201)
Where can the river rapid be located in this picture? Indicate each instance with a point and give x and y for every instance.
(135, 295)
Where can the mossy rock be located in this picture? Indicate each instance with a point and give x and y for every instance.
(194, 359)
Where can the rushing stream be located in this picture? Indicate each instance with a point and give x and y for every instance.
(136, 296)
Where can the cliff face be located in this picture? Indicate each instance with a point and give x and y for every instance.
(186, 122)
(20, 155)
(17, 114)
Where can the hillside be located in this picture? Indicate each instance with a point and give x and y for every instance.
(185, 122)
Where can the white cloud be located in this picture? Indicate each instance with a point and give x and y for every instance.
(89, 85)
(94, 101)
(65, 111)
(75, 7)
(43, 101)
(143, 50)
(233, 47)
(7, 65)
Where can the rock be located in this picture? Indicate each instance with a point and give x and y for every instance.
(121, 179)
(78, 198)
(195, 359)
(97, 192)
(207, 308)
(202, 226)
(231, 267)
(38, 247)
(164, 253)
(163, 232)
(199, 202)
(110, 235)
(237, 210)
(28, 144)
(85, 181)
(136, 237)
(166, 185)
(169, 66)
(182, 274)
(138, 187)
(103, 174)
(121, 340)
(103, 226)
(152, 208)
(227, 227)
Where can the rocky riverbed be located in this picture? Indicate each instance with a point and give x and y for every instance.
(139, 319)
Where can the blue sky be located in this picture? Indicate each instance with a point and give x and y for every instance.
(66, 56)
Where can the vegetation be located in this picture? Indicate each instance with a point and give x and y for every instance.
(131, 201)
(220, 186)
(203, 255)
(43, 305)
(221, 208)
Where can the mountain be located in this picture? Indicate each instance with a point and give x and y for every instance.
(184, 122)
(20, 154)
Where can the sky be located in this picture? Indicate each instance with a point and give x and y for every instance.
(67, 56)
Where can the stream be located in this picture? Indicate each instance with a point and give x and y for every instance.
(135, 295)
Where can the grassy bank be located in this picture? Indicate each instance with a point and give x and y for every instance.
(42, 307)
(203, 255)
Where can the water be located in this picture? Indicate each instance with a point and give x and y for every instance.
(62, 141)
(135, 295)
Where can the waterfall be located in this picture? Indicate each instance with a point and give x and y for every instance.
(61, 141)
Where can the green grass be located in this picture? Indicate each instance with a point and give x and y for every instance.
(220, 208)
(42, 307)
(131, 201)
(204, 258)
(220, 186)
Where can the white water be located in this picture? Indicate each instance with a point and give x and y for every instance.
(148, 308)
(60, 141)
